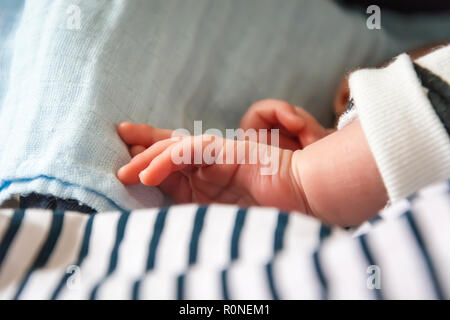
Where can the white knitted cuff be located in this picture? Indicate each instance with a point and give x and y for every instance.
(346, 118)
(408, 141)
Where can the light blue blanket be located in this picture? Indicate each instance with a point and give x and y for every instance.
(167, 63)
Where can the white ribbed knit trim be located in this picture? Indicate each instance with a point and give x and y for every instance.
(409, 143)
(346, 118)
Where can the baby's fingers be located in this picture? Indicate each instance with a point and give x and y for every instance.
(135, 150)
(141, 134)
(129, 174)
(159, 169)
(313, 130)
(178, 156)
(268, 114)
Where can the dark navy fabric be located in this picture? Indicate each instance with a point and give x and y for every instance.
(40, 201)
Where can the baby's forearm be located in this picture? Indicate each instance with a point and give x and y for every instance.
(339, 177)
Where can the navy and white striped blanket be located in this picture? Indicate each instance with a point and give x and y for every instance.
(224, 252)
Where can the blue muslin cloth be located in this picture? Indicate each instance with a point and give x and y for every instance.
(64, 86)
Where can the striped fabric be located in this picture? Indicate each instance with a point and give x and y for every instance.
(225, 252)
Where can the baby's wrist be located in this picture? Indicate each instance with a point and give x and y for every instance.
(296, 177)
(339, 177)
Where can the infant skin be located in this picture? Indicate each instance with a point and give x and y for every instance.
(328, 174)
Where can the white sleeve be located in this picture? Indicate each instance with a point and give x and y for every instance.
(409, 142)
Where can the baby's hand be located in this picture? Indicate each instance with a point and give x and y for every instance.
(335, 179)
(207, 181)
(297, 127)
